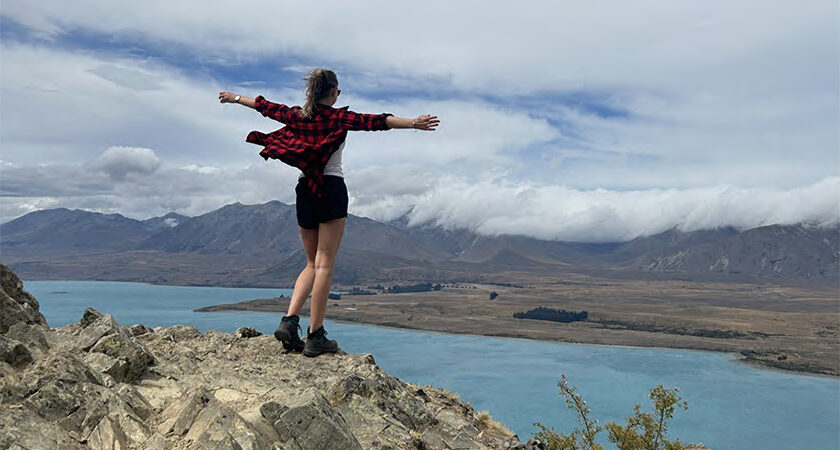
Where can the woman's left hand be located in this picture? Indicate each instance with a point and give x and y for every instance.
(227, 97)
(425, 122)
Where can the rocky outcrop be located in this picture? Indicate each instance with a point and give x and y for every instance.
(98, 384)
(16, 305)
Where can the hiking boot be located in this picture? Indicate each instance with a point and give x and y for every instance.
(317, 343)
(289, 334)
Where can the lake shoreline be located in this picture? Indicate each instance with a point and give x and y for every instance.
(699, 344)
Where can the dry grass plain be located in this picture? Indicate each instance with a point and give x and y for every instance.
(789, 328)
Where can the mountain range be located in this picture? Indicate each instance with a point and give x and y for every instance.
(259, 245)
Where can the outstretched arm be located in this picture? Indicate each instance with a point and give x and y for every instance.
(230, 97)
(276, 111)
(424, 122)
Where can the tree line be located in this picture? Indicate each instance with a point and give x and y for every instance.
(554, 315)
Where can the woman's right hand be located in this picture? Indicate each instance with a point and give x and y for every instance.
(227, 97)
(426, 123)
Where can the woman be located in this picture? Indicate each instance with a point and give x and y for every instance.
(313, 140)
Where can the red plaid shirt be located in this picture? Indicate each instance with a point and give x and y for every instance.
(308, 143)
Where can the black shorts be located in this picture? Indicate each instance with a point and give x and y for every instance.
(312, 210)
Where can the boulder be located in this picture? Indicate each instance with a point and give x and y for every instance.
(132, 356)
(17, 305)
(247, 332)
(100, 333)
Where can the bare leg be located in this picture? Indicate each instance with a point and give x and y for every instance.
(304, 282)
(329, 238)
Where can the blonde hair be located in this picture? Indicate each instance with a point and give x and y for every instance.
(318, 85)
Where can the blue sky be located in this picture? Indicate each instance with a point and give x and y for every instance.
(560, 120)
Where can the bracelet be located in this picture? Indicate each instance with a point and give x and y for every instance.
(236, 99)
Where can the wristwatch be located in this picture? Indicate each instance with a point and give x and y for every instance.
(236, 99)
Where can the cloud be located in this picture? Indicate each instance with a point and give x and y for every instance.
(118, 162)
(493, 206)
(496, 207)
(479, 46)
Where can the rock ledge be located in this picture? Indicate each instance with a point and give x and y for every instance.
(98, 384)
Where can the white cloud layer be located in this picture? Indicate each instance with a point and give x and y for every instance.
(491, 207)
(561, 213)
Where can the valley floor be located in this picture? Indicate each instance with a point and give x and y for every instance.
(787, 328)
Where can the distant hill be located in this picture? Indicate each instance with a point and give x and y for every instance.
(272, 228)
(260, 245)
(64, 232)
(772, 251)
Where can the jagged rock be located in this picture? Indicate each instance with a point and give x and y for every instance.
(16, 305)
(218, 426)
(21, 428)
(372, 426)
(346, 387)
(181, 414)
(154, 442)
(391, 395)
(100, 333)
(386, 393)
(135, 401)
(106, 365)
(272, 411)
(211, 390)
(309, 420)
(63, 391)
(139, 329)
(133, 356)
(247, 332)
(64, 368)
(14, 353)
(34, 337)
(108, 434)
(125, 417)
(89, 317)
(180, 333)
(92, 327)
(255, 418)
(430, 438)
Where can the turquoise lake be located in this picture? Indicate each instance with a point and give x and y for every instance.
(731, 405)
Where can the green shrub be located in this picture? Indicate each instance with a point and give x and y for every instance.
(644, 431)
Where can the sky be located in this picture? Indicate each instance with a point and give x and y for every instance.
(581, 121)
